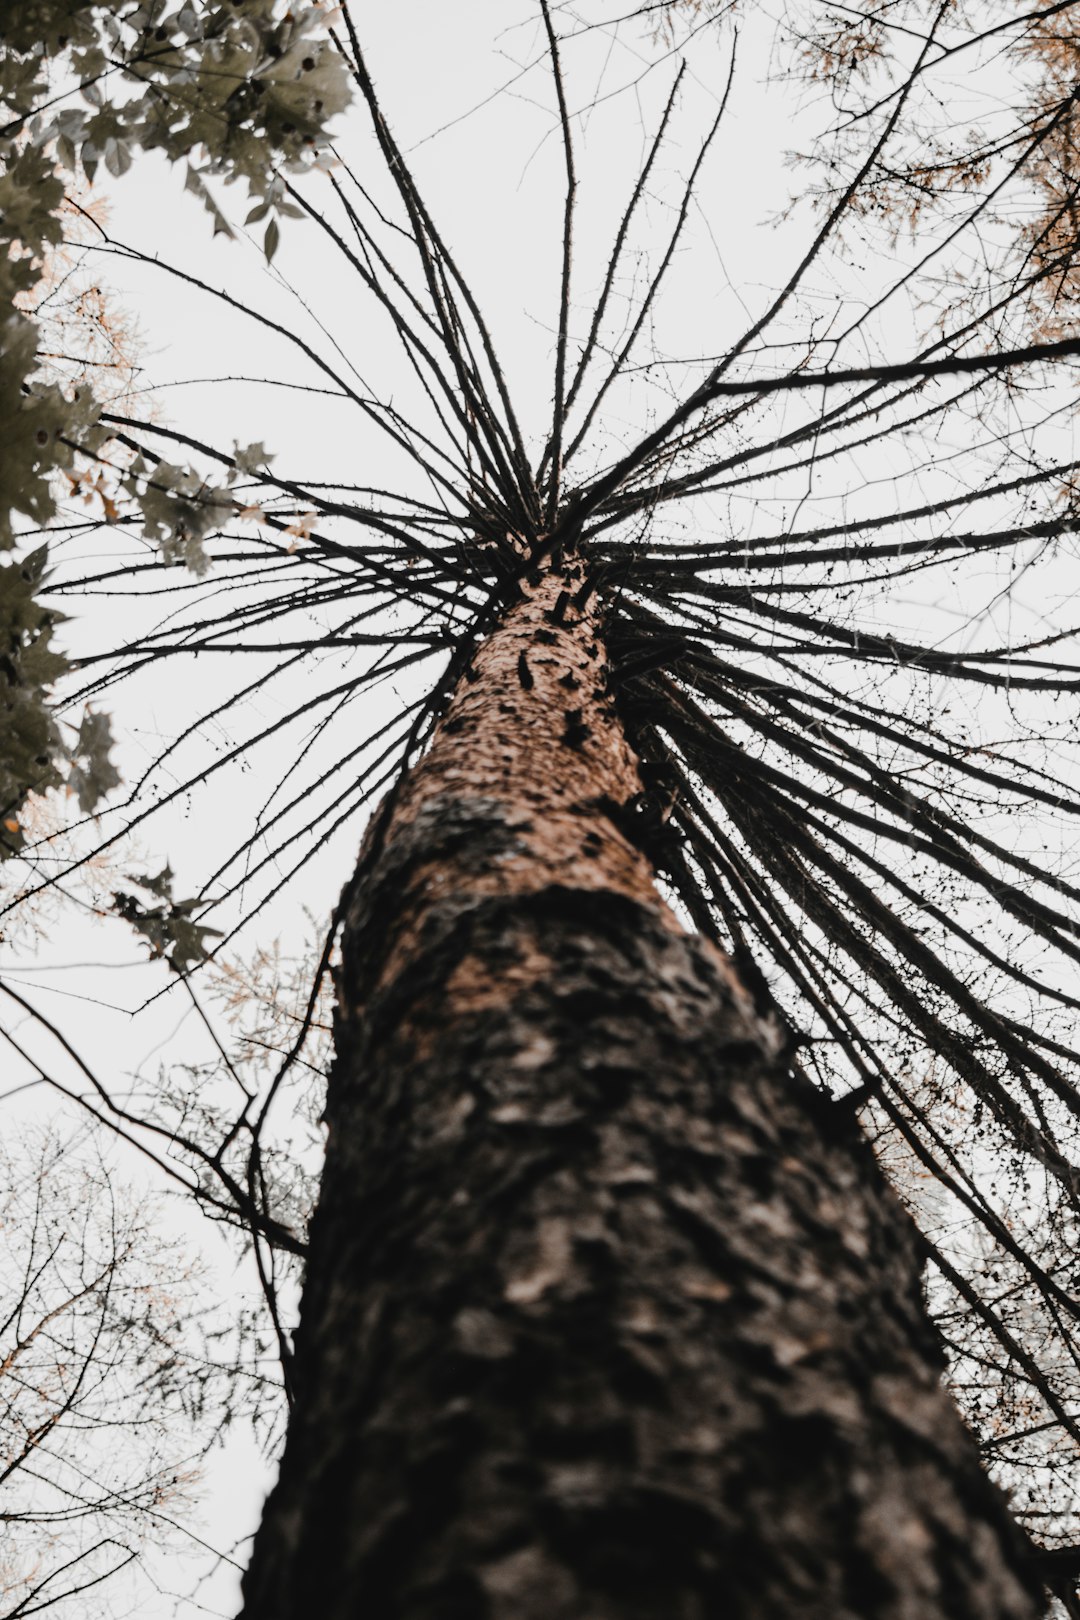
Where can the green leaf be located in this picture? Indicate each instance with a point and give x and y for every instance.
(194, 183)
(160, 885)
(168, 927)
(270, 240)
(117, 157)
(93, 775)
(251, 458)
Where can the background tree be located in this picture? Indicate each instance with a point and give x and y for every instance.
(829, 794)
(110, 1386)
(241, 91)
(130, 1354)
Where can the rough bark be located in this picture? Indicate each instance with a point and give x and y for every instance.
(607, 1317)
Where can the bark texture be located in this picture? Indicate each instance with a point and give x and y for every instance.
(607, 1317)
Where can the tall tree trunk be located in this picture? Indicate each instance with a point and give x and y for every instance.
(607, 1317)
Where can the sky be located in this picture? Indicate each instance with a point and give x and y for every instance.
(469, 96)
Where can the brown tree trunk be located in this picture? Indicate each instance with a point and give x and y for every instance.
(607, 1316)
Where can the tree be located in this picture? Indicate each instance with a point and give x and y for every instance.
(240, 91)
(609, 1308)
(105, 1358)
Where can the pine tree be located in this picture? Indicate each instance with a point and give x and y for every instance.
(607, 1313)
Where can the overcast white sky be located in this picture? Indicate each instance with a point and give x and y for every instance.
(479, 124)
